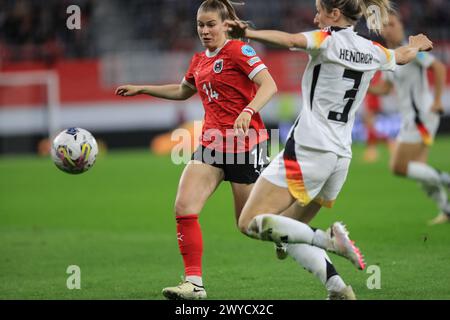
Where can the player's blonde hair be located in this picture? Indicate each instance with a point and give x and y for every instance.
(353, 10)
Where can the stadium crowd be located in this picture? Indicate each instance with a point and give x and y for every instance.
(36, 29)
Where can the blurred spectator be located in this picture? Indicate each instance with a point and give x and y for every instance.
(36, 29)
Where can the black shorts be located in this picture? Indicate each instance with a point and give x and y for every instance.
(243, 168)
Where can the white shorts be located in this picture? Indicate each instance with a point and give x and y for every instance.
(310, 175)
(424, 130)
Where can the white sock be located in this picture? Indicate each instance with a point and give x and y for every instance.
(321, 239)
(430, 179)
(423, 173)
(438, 194)
(316, 261)
(336, 284)
(197, 280)
(287, 230)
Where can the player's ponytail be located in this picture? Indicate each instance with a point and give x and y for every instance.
(375, 11)
(230, 8)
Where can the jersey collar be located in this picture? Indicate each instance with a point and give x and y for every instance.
(214, 53)
(337, 29)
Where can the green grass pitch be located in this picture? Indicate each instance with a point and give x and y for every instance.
(116, 223)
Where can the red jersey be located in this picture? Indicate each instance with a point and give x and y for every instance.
(223, 79)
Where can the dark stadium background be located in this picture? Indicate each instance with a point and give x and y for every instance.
(149, 41)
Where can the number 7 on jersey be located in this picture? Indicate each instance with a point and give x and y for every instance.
(356, 76)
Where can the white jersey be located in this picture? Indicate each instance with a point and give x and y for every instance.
(335, 82)
(412, 87)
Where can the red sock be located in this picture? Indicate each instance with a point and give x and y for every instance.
(190, 243)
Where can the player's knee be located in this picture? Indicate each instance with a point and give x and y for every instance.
(243, 224)
(183, 208)
(399, 169)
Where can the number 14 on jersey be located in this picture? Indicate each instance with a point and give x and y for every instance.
(210, 92)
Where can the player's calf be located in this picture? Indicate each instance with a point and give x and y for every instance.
(279, 229)
(445, 179)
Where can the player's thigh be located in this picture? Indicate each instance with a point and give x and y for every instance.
(303, 214)
(303, 172)
(197, 183)
(241, 193)
(333, 186)
(265, 197)
(243, 172)
(405, 153)
(413, 142)
(314, 169)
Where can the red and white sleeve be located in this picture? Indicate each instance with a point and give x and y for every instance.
(247, 60)
(189, 78)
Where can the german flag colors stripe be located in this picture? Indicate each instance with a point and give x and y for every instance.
(386, 51)
(319, 37)
(294, 175)
(426, 136)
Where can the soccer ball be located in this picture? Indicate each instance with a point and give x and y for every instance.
(74, 150)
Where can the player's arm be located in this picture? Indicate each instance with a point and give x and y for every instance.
(278, 38)
(267, 89)
(274, 37)
(383, 88)
(170, 91)
(440, 78)
(408, 53)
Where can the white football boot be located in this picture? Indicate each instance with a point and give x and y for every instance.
(185, 291)
(442, 218)
(346, 294)
(341, 244)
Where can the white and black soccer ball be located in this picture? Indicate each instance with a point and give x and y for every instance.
(74, 150)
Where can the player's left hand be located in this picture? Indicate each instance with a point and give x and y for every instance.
(236, 28)
(421, 42)
(242, 124)
(437, 107)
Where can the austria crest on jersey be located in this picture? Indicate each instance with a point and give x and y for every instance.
(218, 66)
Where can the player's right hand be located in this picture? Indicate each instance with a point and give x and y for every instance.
(437, 107)
(242, 124)
(128, 90)
(421, 42)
